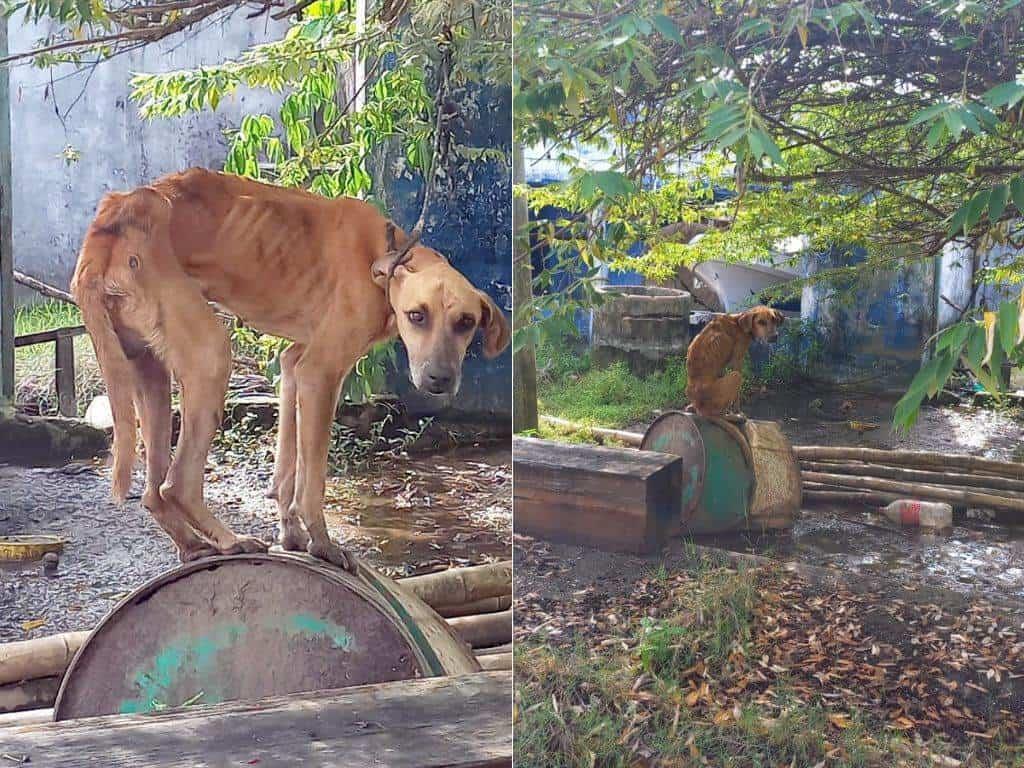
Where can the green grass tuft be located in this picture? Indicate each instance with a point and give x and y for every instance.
(570, 388)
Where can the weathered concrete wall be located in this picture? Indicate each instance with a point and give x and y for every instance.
(54, 200)
(873, 327)
(470, 221)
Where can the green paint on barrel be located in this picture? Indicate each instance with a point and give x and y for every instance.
(718, 485)
(192, 657)
(307, 624)
(728, 483)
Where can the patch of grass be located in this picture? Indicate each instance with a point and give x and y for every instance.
(34, 366)
(711, 627)
(660, 703)
(569, 387)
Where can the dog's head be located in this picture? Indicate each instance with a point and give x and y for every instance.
(762, 323)
(437, 314)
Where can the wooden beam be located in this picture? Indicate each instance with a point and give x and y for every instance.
(618, 499)
(43, 337)
(524, 362)
(456, 722)
(64, 371)
(6, 239)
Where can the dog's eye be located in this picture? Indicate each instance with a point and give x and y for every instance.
(465, 324)
(416, 317)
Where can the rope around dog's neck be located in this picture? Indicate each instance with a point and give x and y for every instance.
(437, 156)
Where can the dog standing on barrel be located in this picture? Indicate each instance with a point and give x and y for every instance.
(723, 344)
(332, 276)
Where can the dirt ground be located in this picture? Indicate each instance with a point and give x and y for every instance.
(405, 515)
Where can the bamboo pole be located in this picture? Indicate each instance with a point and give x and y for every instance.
(29, 694)
(40, 657)
(918, 459)
(915, 475)
(867, 498)
(626, 438)
(458, 586)
(920, 491)
(484, 605)
(485, 629)
(495, 661)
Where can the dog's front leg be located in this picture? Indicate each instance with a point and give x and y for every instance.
(316, 397)
(293, 536)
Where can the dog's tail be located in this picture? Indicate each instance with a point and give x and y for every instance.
(100, 283)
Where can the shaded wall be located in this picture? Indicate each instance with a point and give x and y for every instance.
(90, 111)
(470, 222)
(872, 327)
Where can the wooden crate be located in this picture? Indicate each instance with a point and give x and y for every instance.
(618, 499)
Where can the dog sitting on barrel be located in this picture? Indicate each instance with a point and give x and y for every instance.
(723, 344)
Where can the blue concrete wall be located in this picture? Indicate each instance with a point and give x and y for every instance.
(877, 330)
(470, 222)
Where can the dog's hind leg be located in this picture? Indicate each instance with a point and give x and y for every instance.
(293, 536)
(199, 353)
(153, 403)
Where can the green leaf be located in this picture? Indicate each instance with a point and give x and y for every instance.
(1006, 325)
(975, 351)
(1004, 95)
(667, 28)
(928, 113)
(1017, 192)
(997, 202)
(958, 222)
(953, 337)
(975, 208)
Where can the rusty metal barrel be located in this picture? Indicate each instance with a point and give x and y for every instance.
(722, 490)
(249, 626)
(718, 484)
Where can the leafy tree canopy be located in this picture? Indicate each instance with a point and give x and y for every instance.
(891, 126)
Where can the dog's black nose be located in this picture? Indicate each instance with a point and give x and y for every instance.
(439, 383)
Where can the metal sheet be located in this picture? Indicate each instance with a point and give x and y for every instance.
(674, 432)
(248, 626)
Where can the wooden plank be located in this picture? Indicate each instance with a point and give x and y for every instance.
(6, 239)
(456, 722)
(524, 360)
(617, 499)
(64, 371)
(45, 337)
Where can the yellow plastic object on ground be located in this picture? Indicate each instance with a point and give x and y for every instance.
(29, 547)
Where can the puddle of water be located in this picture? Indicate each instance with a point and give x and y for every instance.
(426, 511)
(974, 557)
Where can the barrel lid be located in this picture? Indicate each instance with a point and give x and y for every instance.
(676, 433)
(255, 625)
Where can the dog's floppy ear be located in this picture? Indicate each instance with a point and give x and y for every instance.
(746, 320)
(379, 270)
(495, 327)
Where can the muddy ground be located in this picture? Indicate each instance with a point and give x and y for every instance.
(976, 558)
(404, 515)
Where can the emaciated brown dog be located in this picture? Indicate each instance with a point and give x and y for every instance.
(723, 344)
(312, 270)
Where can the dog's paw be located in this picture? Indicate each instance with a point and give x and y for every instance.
(332, 553)
(197, 551)
(245, 545)
(293, 538)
